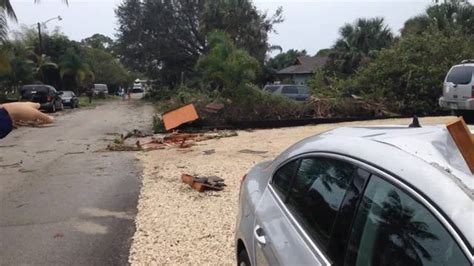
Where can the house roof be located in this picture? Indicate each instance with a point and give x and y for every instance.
(305, 65)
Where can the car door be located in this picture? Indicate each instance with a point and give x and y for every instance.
(392, 227)
(458, 83)
(297, 213)
(303, 93)
(290, 92)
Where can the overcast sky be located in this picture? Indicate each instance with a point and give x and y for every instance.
(310, 25)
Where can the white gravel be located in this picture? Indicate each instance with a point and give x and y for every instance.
(179, 226)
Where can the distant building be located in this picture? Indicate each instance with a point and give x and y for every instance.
(303, 69)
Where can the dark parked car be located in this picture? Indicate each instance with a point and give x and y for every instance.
(70, 99)
(295, 92)
(45, 95)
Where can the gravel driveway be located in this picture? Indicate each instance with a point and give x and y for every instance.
(177, 225)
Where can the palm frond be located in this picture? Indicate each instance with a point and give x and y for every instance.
(8, 9)
(3, 26)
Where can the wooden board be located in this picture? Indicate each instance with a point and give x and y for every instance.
(177, 117)
(464, 140)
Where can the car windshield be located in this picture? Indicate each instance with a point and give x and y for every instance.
(271, 88)
(303, 90)
(67, 94)
(461, 75)
(290, 90)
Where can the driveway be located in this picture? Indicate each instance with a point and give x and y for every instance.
(179, 226)
(63, 202)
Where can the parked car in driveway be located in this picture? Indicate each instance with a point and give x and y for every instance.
(47, 96)
(295, 92)
(100, 89)
(458, 90)
(360, 196)
(70, 99)
(137, 92)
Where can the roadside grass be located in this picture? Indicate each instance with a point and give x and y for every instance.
(84, 100)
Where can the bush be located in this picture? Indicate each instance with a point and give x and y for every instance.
(408, 77)
(251, 103)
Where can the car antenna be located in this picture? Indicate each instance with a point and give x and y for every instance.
(415, 123)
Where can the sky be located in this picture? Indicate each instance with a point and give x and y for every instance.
(310, 24)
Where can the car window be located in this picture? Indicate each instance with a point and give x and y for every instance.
(283, 176)
(391, 228)
(289, 90)
(460, 75)
(319, 188)
(303, 90)
(271, 88)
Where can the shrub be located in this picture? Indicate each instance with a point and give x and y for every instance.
(408, 77)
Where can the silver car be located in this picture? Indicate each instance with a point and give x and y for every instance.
(360, 196)
(458, 90)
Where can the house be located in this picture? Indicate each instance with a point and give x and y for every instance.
(303, 69)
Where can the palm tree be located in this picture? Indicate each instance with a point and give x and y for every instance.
(358, 43)
(6, 10)
(399, 222)
(43, 64)
(451, 16)
(18, 68)
(74, 67)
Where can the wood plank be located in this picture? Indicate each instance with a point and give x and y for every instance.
(464, 140)
(177, 117)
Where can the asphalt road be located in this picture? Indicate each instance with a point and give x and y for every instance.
(61, 201)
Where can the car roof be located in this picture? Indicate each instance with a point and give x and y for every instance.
(426, 159)
(36, 86)
(465, 64)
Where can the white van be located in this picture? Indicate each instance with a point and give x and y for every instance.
(100, 88)
(458, 89)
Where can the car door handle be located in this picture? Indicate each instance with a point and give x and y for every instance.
(259, 234)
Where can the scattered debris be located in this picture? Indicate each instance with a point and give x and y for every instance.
(58, 235)
(177, 117)
(209, 152)
(182, 141)
(13, 165)
(214, 107)
(203, 183)
(8, 146)
(45, 151)
(119, 140)
(135, 134)
(25, 171)
(72, 153)
(124, 147)
(252, 151)
(32, 124)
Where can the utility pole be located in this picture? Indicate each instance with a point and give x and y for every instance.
(40, 39)
(39, 32)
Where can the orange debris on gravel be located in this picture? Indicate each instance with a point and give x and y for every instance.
(177, 117)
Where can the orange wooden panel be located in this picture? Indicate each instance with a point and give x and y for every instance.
(464, 140)
(177, 117)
